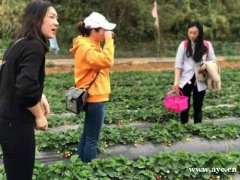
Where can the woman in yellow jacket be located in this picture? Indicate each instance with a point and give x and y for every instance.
(91, 58)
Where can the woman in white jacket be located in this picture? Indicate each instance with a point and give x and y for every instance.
(190, 56)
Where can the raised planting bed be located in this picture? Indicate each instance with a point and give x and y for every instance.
(167, 134)
(161, 166)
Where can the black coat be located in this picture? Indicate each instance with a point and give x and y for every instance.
(22, 80)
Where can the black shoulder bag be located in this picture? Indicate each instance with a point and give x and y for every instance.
(77, 98)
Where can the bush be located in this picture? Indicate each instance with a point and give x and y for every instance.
(135, 25)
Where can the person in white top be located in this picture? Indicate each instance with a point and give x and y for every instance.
(190, 56)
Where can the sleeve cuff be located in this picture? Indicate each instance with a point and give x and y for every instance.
(29, 102)
(109, 41)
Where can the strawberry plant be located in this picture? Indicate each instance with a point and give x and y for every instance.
(137, 96)
(167, 133)
(166, 166)
(60, 120)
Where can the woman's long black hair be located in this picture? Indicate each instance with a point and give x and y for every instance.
(200, 48)
(32, 22)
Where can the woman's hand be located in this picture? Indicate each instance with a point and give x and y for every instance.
(40, 118)
(45, 106)
(41, 123)
(108, 34)
(202, 67)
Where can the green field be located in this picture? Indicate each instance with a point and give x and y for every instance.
(137, 97)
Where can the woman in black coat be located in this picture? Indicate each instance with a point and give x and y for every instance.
(22, 103)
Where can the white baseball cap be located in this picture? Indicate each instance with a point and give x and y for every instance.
(97, 20)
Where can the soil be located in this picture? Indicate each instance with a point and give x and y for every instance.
(138, 67)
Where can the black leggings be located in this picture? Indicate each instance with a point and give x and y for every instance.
(198, 98)
(17, 140)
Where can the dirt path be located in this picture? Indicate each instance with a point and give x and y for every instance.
(138, 67)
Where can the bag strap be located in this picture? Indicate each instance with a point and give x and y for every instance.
(9, 49)
(4, 60)
(93, 81)
(206, 43)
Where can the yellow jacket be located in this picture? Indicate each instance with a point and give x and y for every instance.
(89, 58)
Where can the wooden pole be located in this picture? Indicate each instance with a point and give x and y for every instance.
(157, 26)
(158, 41)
